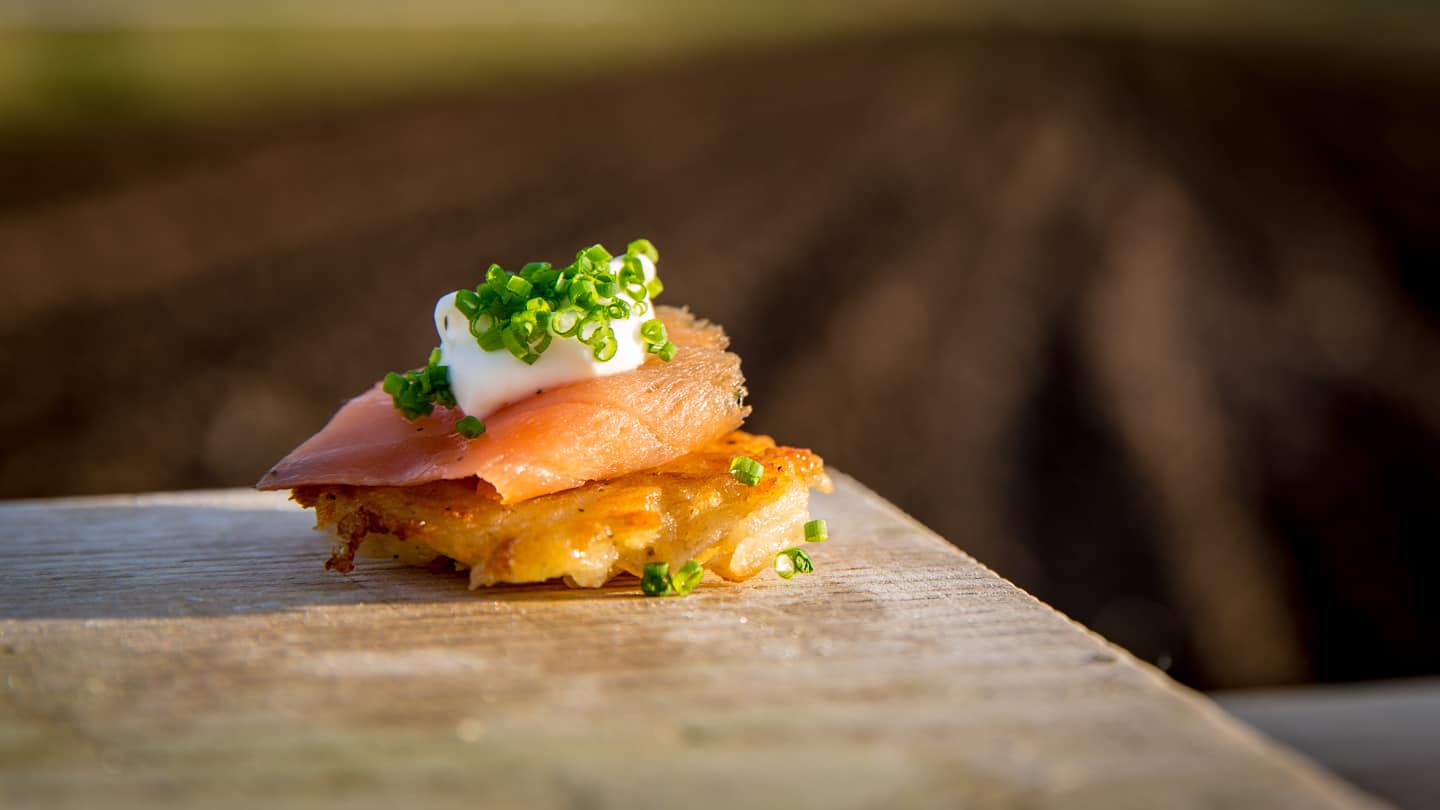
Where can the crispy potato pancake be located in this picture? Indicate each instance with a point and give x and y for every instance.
(689, 508)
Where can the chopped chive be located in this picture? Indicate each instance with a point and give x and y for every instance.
(793, 561)
(522, 313)
(746, 470)
(518, 285)
(582, 292)
(784, 566)
(803, 563)
(416, 392)
(656, 579)
(642, 247)
(516, 345)
(566, 321)
(468, 302)
(470, 427)
(606, 346)
(598, 254)
(632, 279)
(816, 531)
(653, 332)
(393, 384)
(688, 577)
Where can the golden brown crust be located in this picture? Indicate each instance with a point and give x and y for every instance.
(689, 508)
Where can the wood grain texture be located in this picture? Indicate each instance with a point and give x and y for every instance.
(189, 649)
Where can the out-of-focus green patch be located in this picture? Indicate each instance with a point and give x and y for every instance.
(68, 80)
(71, 80)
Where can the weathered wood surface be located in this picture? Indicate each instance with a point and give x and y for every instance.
(188, 648)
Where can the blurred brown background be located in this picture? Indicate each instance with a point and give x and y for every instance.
(1140, 312)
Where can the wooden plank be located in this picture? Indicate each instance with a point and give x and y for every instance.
(188, 648)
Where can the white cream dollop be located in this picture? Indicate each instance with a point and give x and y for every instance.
(483, 381)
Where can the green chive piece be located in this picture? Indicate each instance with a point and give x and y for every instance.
(656, 579)
(803, 563)
(582, 291)
(688, 577)
(393, 384)
(597, 254)
(519, 286)
(605, 345)
(417, 392)
(632, 279)
(517, 346)
(566, 321)
(816, 531)
(654, 287)
(642, 247)
(793, 561)
(468, 302)
(653, 332)
(470, 427)
(746, 470)
(667, 352)
(784, 566)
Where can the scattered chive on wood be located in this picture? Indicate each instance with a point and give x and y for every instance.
(746, 470)
(793, 561)
(688, 577)
(816, 531)
(657, 580)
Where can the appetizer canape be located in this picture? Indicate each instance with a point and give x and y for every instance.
(565, 427)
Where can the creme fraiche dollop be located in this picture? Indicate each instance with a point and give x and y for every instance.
(483, 381)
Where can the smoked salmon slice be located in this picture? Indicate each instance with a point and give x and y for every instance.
(557, 439)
